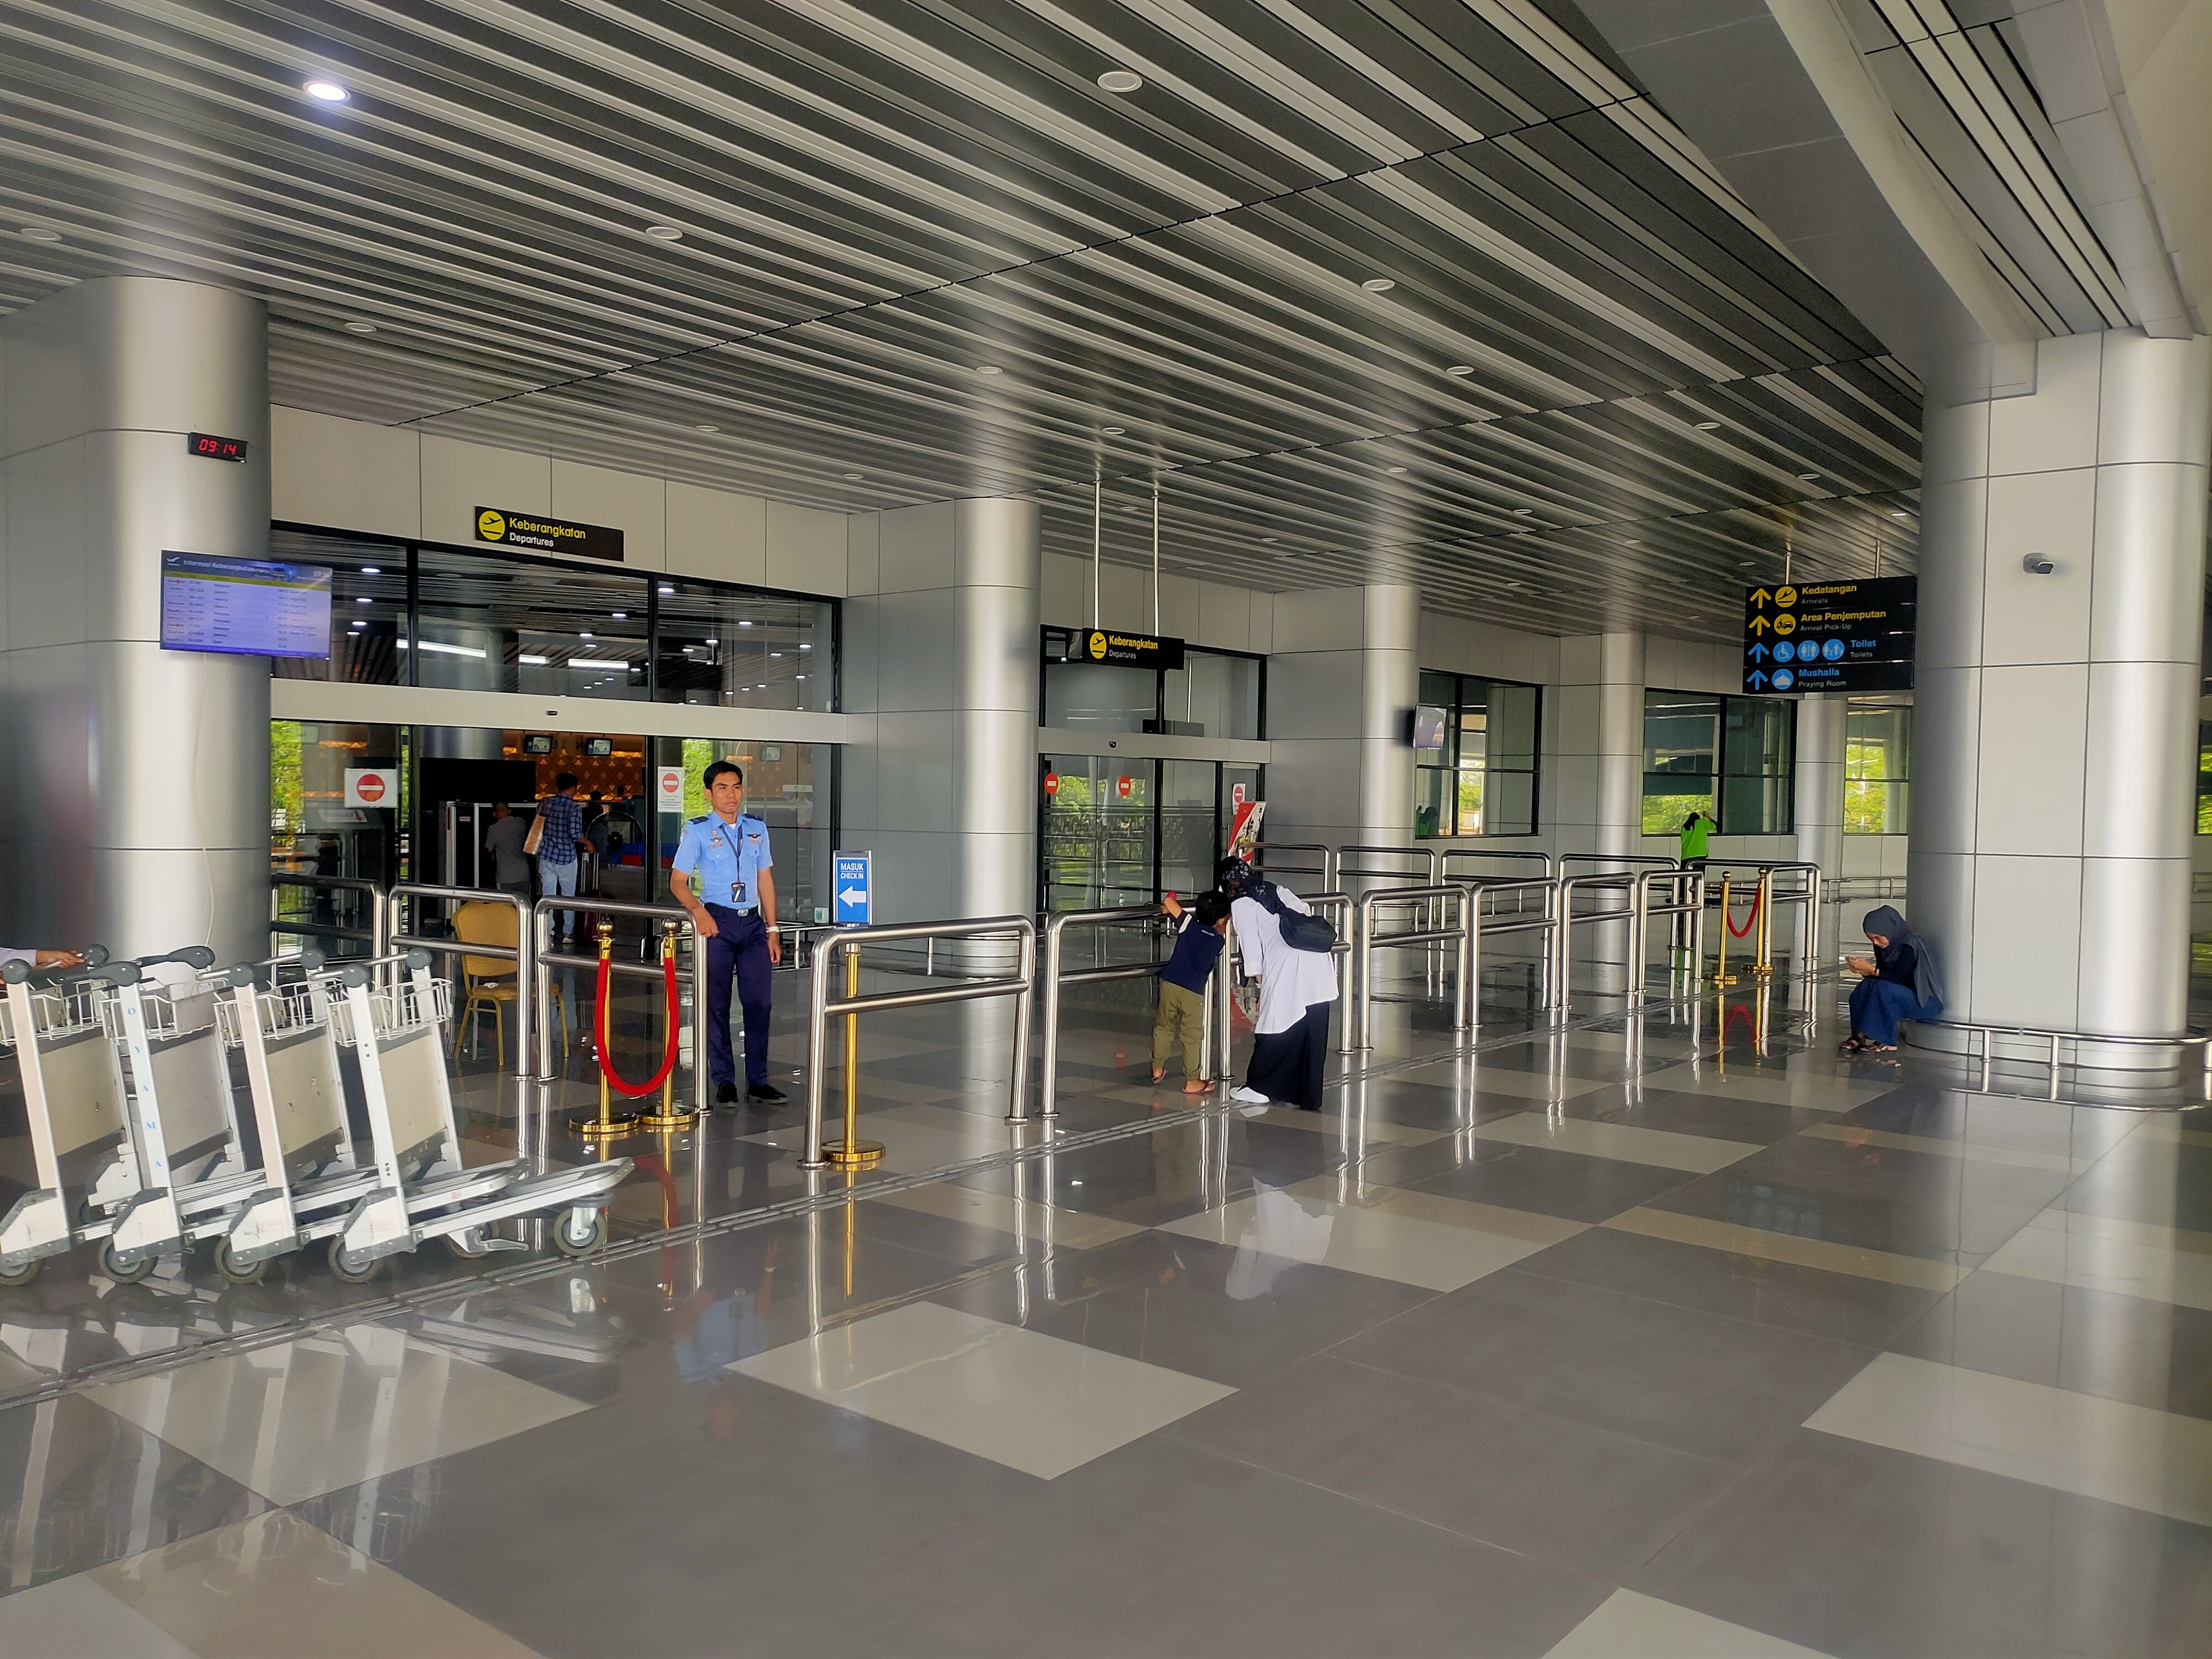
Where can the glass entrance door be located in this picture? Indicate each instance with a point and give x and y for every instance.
(1099, 842)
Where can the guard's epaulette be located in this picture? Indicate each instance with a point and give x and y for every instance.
(694, 823)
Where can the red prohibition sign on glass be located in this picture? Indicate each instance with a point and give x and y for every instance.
(1051, 783)
(1123, 787)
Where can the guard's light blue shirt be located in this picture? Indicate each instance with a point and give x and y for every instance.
(724, 861)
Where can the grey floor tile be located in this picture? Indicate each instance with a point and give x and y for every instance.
(1715, 1387)
(1758, 1120)
(1562, 1491)
(2172, 1187)
(2122, 1347)
(1863, 1312)
(665, 1527)
(1209, 1556)
(1518, 1177)
(1165, 1299)
(80, 1486)
(1852, 1549)
(1939, 1113)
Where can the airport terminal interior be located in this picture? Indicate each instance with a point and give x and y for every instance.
(932, 828)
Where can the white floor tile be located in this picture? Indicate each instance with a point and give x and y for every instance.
(306, 1416)
(1001, 1213)
(2077, 1443)
(1033, 1402)
(1628, 1625)
(2097, 1252)
(75, 1619)
(916, 1138)
(1811, 1092)
(1663, 1148)
(1397, 1239)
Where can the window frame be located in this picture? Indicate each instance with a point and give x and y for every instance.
(1455, 716)
(1715, 792)
(1047, 661)
(1902, 780)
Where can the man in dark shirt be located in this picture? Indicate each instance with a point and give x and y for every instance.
(1182, 988)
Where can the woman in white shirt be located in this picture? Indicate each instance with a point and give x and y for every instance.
(1297, 989)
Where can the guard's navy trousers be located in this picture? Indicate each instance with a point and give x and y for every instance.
(740, 947)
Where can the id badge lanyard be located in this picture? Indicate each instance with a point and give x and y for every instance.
(737, 886)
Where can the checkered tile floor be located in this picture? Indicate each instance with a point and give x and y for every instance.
(1631, 1340)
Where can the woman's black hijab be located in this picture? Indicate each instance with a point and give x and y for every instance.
(1886, 921)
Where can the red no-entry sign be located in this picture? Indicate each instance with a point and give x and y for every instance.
(1051, 783)
(1123, 787)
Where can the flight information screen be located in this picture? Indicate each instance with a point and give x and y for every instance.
(248, 607)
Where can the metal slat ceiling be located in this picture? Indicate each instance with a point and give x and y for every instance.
(879, 201)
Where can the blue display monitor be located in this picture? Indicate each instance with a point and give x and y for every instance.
(246, 607)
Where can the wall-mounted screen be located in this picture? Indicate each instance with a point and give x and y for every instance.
(600, 747)
(1428, 727)
(246, 607)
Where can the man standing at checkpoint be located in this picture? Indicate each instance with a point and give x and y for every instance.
(725, 856)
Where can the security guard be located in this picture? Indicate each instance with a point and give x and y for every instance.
(727, 855)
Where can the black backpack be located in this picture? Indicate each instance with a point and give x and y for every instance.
(1301, 931)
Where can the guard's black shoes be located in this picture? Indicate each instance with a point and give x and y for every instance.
(764, 1092)
(725, 1094)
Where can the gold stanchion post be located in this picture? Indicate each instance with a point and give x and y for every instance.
(853, 1151)
(1763, 961)
(609, 1123)
(1721, 975)
(669, 1116)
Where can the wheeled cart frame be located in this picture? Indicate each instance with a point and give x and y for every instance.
(421, 1190)
(78, 1113)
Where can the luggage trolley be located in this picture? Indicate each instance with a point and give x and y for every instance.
(191, 1172)
(394, 1028)
(74, 1098)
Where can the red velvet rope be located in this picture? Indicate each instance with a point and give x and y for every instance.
(1748, 921)
(607, 1060)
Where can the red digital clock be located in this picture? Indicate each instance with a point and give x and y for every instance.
(215, 448)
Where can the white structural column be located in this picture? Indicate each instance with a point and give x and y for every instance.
(1600, 744)
(941, 646)
(1818, 786)
(137, 778)
(1341, 686)
(2055, 729)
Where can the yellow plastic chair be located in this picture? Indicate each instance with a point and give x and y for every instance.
(490, 982)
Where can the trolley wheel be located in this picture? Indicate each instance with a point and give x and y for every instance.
(119, 1272)
(355, 1267)
(580, 1232)
(12, 1276)
(468, 1244)
(237, 1273)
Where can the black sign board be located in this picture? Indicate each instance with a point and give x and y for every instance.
(1830, 637)
(544, 535)
(213, 448)
(1112, 646)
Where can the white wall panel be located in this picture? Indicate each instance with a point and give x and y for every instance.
(349, 475)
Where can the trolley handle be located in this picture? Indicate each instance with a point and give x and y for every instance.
(198, 958)
(23, 973)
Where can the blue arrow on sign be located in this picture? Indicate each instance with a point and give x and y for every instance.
(1757, 679)
(1756, 654)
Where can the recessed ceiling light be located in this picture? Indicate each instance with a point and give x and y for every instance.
(988, 368)
(856, 476)
(667, 587)
(713, 642)
(1524, 512)
(707, 426)
(744, 622)
(360, 601)
(805, 647)
(583, 637)
(358, 327)
(1808, 477)
(1745, 564)
(801, 677)
(663, 233)
(325, 92)
(619, 616)
(1393, 468)
(1113, 431)
(1709, 426)
(372, 570)
(1632, 542)
(40, 233)
(775, 653)
(1900, 515)
(1120, 81)
(1270, 540)
(1378, 285)
(1460, 369)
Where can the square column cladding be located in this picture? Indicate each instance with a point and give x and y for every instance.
(2054, 731)
(136, 778)
(1341, 687)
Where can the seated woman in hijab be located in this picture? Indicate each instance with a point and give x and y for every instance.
(1898, 983)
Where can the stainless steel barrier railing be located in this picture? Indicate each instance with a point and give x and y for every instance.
(1611, 881)
(1617, 863)
(1056, 975)
(1326, 869)
(1684, 902)
(545, 959)
(1445, 872)
(1483, 921)
(2180, 1045)
(370, 936)
(1365, 940)
(397, 937)
(1426, 857)
(1018, 985)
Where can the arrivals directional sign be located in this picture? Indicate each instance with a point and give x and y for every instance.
(1830, 637)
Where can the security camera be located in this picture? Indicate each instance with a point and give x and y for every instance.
(2037, 565)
